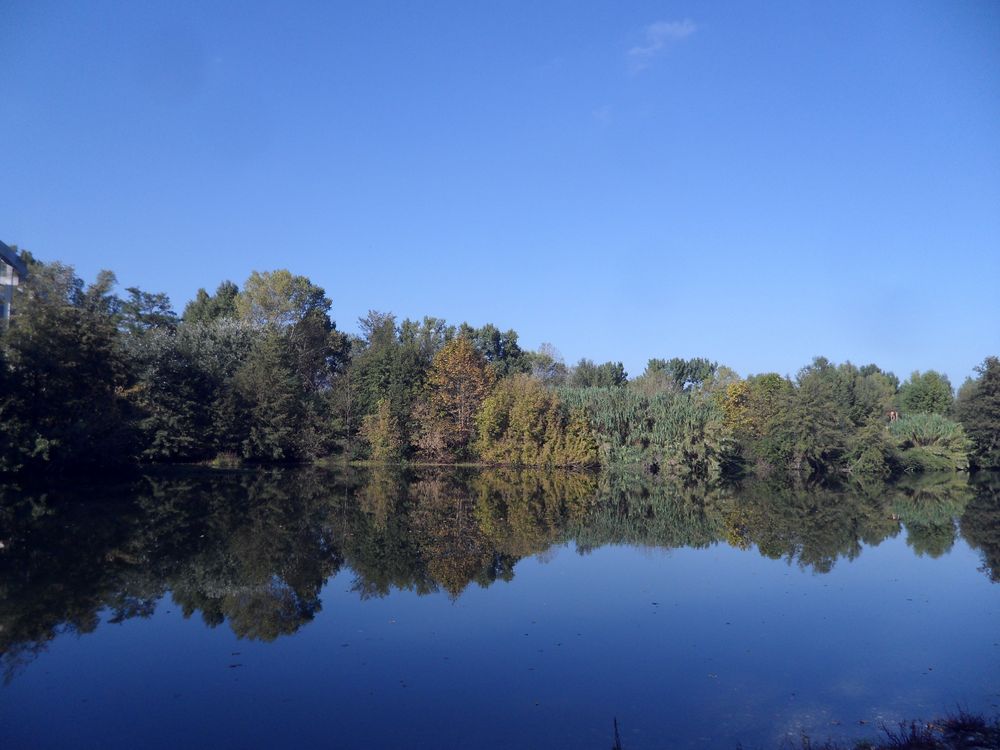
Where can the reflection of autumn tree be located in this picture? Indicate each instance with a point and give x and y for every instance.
(446, 529)
(741, 519)
(252, 550)
(380, 496)
(452, 545)
(523, 513)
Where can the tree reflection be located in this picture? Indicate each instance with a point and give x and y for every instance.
(980, 524)
(253, 549)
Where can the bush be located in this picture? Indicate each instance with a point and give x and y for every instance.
(930, 442)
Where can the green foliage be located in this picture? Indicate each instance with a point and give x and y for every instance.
(926, 393)
(381, 431)
(872, 454)
(388, 364)
(930, 442)
(61, 406)
(270, 395)
(258, 391)
(978, 409)
(426, 337)
(752, 410)
(586, 374)
(681, 374)
(264, 375)
(813, 430)
(500, 349)
(142, 312)
(547, 366)
(829, 423)
(182, 388)
(206, 308)
(521, 423)
(277, 298)
(680, 433)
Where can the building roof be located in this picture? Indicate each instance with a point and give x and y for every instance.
(9, 257)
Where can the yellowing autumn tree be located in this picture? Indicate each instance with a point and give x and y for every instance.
(522, 423)
(458, 381)
(383, 435)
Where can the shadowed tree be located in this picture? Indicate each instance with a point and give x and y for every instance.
(61, 406)
(978, 409)
(142, 312)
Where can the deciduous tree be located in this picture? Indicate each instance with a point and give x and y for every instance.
(457, 383)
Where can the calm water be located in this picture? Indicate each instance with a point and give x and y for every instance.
(313, 609)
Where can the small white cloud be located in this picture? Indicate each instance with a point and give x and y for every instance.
(658, 36)
(602, 114)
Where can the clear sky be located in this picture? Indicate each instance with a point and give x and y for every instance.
(753, 182)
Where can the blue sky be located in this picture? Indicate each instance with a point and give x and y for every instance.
(753, 182)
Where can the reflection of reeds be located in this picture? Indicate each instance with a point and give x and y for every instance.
(961, 731)
(618, 739)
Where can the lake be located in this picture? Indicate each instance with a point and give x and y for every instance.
(371, 609)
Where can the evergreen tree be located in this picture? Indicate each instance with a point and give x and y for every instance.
(926, 393)
(60, 407)
(207, 308)
(978, 409)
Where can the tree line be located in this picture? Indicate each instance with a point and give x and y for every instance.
(260, 373)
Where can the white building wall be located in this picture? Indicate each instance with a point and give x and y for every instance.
(8, 280)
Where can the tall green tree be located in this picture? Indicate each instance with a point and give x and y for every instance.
(384, 367)
(926, 393)
(813, 427)
(978, 409)
(141, 312)
(587, 374)
(682, 374)
(182, 389)
(271, 395)
(279, 298)
(499, 348)
(207, 308)
(61, 407)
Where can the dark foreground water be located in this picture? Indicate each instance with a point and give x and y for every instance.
(313, 609)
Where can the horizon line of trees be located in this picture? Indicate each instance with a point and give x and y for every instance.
(261, 373)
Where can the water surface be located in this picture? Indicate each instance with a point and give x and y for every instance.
(492, 610)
